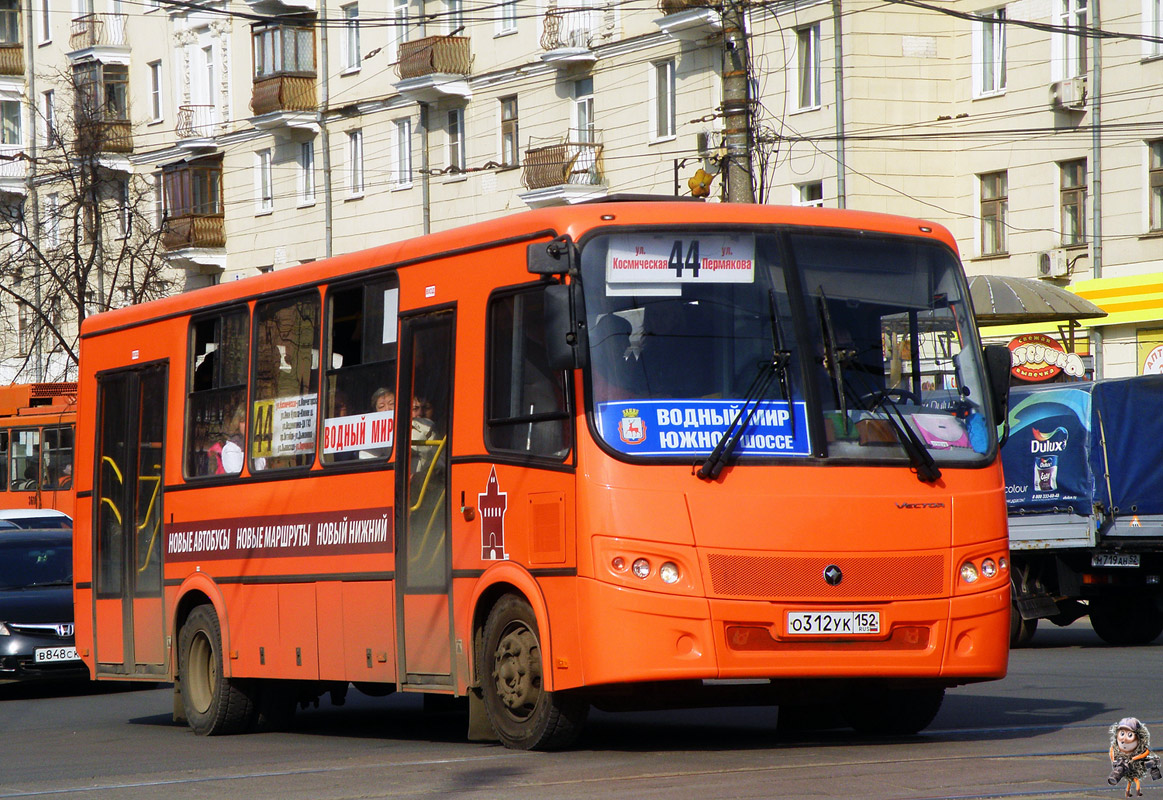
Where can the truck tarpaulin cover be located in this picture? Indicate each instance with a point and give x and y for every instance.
(1047, 456)
(1074, 445)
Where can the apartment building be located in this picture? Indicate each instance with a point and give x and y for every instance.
(276, 132)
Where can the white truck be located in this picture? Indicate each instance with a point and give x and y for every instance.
(1084, 490)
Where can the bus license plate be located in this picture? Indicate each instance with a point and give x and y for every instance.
(1114, 560)
(842, 623)
(44, 655)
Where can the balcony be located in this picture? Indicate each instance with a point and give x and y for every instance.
(284, 102)
(689, 19)
(435, 67)
(103, 136)
(567, 34)
(194, 231)
(13, 170)
(99, 37)
(11, 59)
(563, 172)
(196, 127)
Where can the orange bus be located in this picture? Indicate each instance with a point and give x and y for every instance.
(37, 423)
(651, 453)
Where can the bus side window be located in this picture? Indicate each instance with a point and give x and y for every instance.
(216, 403)
(4, 460)
(25, 459)
(527, 409)
(360, 389)
(58, 458)
(282, 431)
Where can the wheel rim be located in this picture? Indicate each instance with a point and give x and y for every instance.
(517, 670)
(202, 673)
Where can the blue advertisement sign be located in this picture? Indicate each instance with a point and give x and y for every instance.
(1047, 456)
(694, 427)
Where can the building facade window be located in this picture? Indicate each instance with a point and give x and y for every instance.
(264, 182)
(663, 90)
(45, 22)
(1155, 183)
(810, 194)
(24, 329)
(355, 163)
(1152, 28)
(1070, 43)
(306, 173)
(283, 50)
(507, 16)
(48, 115)
(52, 219)
(155, 90)
(583, 111)
(808, 67)
(10, 132)
(398, 31)
(1073, 194)
(989, 53)
(402, 155)
(9, 22)
(994, 205)
(455, 131)
(350, 41)
(102, 91)
(510, 133)
(124, 207)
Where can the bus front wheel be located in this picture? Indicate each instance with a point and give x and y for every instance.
(890, 711)
(214, 704)
(524, 715)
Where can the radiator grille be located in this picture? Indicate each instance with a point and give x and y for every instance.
(802, 577)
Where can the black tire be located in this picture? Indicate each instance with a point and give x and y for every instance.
(1021, 630)
(1126, 621)
(214, 705)
(885, 711)
(522, 713)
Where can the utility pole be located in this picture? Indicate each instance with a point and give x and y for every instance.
(737, 105)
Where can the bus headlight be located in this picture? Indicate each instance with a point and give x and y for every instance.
(969, 572)
(988, 568)
(669, 572)
(641, 568)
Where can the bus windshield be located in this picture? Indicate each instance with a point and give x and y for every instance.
(826, 344)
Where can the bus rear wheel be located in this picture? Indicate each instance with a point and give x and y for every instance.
(214, 704)
(524, 715)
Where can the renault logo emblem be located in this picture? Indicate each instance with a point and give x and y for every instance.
(833, 575)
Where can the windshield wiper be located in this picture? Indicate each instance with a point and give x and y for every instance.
(922, 460)
(768, 369)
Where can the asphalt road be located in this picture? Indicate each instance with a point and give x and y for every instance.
(1042, 732)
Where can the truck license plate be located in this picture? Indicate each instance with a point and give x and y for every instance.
(842, 623)
(1114, 560)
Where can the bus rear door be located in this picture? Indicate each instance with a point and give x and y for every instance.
(129, 632)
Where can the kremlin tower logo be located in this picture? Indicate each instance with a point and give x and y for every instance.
(492, 505)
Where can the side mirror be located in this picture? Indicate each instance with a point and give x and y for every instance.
(565, 340)
(555, 257)
(997, 372)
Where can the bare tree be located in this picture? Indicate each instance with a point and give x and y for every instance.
(85, 238)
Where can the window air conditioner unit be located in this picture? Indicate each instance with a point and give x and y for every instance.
(1068, 94)
(1053, 264)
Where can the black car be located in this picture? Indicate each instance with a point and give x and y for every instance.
(36, 606)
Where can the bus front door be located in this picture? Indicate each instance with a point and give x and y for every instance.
(128, 536)
(423, 550)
